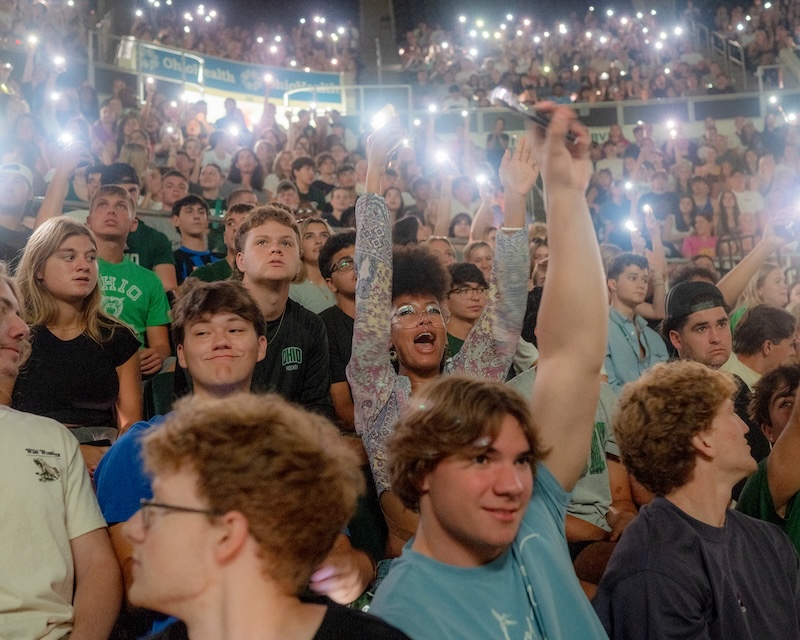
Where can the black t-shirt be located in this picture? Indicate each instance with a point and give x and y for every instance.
(672, 576)
(313, 195)
(339, 327)
(297, 365)
(339, 623)
(74, 381)
(11, 245)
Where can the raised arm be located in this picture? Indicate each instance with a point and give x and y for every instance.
(783, 472)
(483, 216)
(53, 203)
(443, 209)
(737, 278)
(573, 318)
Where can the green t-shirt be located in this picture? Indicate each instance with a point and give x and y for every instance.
(214, 272)
(735, 317)
(756, 501)
(455, 344)
(134, 295)
(148, 247)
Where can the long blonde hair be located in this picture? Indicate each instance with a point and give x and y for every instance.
(38, 304)
(751, 296)
(302, 275)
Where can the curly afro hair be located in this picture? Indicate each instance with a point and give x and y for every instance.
(418, 272)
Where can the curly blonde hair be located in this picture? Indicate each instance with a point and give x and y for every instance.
(285, 469)
(659, 414)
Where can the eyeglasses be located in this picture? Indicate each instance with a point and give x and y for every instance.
(343, 265)
(468, 291)
(408, 316)
(146, 507)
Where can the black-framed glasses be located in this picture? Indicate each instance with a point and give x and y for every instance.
(408, 316)
(147, 506)
(344, 264)
(468, 291)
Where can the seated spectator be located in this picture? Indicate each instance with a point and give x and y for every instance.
(394, 202)
(763, 340)
(442, 248)
(84, 366)
(16, 192)
(303, 177)
(286, 194)
(610, 161)
(297, 365)
(340, 202)
(481, 255)
(56, 526)
(190, 218)
(466, 452)
(278, 530)
(337, 266)
(769, 494)
(222, 269)
(309, 287)
(281, 170)
(460, 226)
(702, 240)
(131, 293)
(211, 181)
(767, 286)
(220, 146)
(466, 299)
(326, 173)
(633, 347)
(245, 172)
(679, 436)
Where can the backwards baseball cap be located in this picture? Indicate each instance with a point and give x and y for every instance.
(690, 297)
(119, 173)
(17, 169)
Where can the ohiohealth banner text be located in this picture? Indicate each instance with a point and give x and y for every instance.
(235, 77)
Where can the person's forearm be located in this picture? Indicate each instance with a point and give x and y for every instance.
(514, 212)
(98, 588)
(573, 250)
(53, 203)
(443, 210)
(734, 282)
(483, 219)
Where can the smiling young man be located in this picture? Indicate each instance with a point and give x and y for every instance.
(633, 347)
(219, 333)
(688, 566)
(130, 292)
(59, 575)
(267, 260)
(489, 558)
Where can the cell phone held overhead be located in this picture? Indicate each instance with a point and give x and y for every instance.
(502, 97)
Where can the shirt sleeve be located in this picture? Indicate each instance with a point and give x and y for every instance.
(316, 395)
(649, 604)
(491, 343)
(81, 508)
(370, 372)
(158, 309)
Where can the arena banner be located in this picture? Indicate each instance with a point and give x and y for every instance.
(236, 77)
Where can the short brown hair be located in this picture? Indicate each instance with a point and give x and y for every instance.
(199, 300)
(659, 414)
(257, 217)
(114, 190)
(285, 469)
(448, 417)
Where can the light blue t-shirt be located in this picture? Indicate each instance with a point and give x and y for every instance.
(531, 591)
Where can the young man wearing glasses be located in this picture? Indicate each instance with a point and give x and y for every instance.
(337, 265)
(466, 300)
(234, 532)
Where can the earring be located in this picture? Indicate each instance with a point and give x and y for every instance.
(392, 355)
